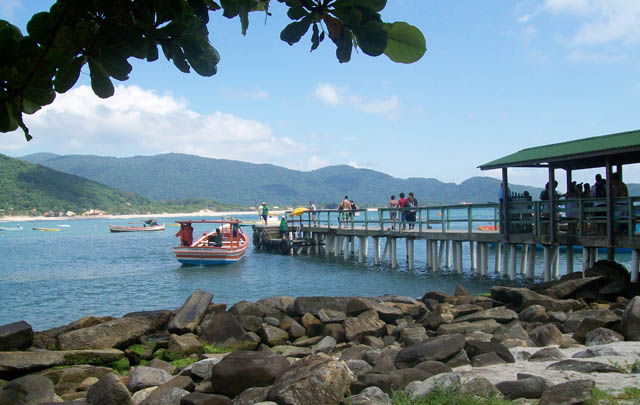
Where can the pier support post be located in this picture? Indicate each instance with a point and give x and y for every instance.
(347, 250)
(394, 253)
(512, 266)
(498, 256)
(635, 258)
(459, 264)
(454, 254)
(569, 259)
(447, 254)
(505, 259)
(429, 245)
(531, 266)
(410, 243)
(387, 249)
(472, 255)
(593, 257)
(376, 250)
(556, 261)
(361, 248)
(547, 263)
(523, 259)
(440, 254)
(585, 259)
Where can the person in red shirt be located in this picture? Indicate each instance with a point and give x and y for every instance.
(186, 234)
(402, 202)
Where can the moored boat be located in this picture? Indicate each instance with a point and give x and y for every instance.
(117, 228)
(225, 244)
(46, 229)
(11, 228)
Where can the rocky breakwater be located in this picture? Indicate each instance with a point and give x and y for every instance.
(553, 343)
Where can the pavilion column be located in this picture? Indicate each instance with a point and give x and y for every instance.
(552, 206)
(610, 216)
(505, 204)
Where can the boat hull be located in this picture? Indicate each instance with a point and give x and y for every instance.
(116, 228)
(208, 256)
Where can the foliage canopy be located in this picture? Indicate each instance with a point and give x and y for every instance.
(104, 34)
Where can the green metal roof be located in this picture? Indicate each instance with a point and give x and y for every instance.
(623, 147)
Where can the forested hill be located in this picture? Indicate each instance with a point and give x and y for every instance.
(26, 186)
(179, 176)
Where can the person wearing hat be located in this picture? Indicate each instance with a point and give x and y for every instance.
(283, 228)
(265, 212)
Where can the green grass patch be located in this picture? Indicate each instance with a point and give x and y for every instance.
(137, 349)
(446, 397)
(213, 349)
(121, 367)
(184, 362)
(624, 367)
(166, 355)
(630, 393)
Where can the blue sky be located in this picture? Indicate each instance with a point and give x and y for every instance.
(497, 77)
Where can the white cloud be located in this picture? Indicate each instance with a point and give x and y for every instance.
(333, 95)
(138, 121)
(602, 21)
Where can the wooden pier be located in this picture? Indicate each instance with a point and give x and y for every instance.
(512, 231)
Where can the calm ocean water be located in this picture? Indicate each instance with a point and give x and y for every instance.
(50, 279)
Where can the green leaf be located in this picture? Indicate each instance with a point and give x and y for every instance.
(40, 27)
(405, 43)
(372, 38)
(67, 75)
(296, 13)
(8, 121)
(373, 5)
(116, 65)
(344, 47)
(231, 8)
(244, 20)
(296, 30)
(315, 38)
(100, 82)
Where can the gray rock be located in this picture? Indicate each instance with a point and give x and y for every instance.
(475, 348)
(433, 367)
(189, 316)
(582, 366)
(281, 303)
(575, 318)
(30, 389)
(486, 359)
(487, 326)
(404, 376)
(601, 336)
(358, 367)
(185, 344)
(596, 352)
(546, 335)
(199, 398)
(303, 305)
(534, 313)
(603, 319)
(458, 360)
(306, 341)
(250, 322)
(183, 382)
(411, 336)
(373, 341)
(547, 354)
(118, 333)
(296, 330)
(326, 345)
(369, 396)
(16, 336)
(244, 369)
(312, 325)
(15, 363)
(439, 348)
(630, 322)
(498, 314)
(465, 309)
(202, 369)
(418, 389)
(355, 352)
(251, 396)
(571, 392)
(568, 289)
(165, 395)
(365, 324)
(161, 364)
(524, 297)
(481, 387)
(331, 316)
(314, 379)
(272, 335)
(531, 388)
(70, 379)
(109, 391)
(223, 329)
(142, 377)
(270, 320)
(513, 332)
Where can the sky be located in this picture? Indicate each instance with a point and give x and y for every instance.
(498, 77)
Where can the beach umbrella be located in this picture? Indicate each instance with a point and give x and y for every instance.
(298, 211)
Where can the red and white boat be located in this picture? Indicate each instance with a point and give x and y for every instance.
(203, 252)
(118, 228)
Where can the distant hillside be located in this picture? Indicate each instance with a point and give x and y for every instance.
(177, 176)
(26, 186)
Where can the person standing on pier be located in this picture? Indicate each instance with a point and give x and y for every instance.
(393, 205)
(403, 214)
(411, 215)
(265, 212)
(344, 207)
(313, 212)
(283, 228)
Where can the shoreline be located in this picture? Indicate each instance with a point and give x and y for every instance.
(205, 213)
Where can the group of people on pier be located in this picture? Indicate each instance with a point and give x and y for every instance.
(407, 217)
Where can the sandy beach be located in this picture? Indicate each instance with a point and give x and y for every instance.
(193, 215)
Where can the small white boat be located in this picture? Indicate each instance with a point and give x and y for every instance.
(46, 229)
(117, 228)
(64, 226)
(232, 244)
(11, 228)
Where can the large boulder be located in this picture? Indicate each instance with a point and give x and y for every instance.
(475, 348)
(630, 322)
(109, 391)
(312, 305)
(369, 396)
(530, 387)
(571, 392)
(142, 377)
(185, 344)
(499, 314)
(439, 348)
(315, 379)
(464, 328)
(223, 329)
(569, 288)
(16, 336)
(366, 324)
(30, 389)
(520, 298)
(16, 363)
(282, 303)
(189, 316)
(273, 336)
(69, 379)
(118, 333)
(165, 395)
(245, 369)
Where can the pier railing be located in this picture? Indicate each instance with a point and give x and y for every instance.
(581, 217)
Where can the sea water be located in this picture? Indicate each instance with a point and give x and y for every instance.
(50, 279)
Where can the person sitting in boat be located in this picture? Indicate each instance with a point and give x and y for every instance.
(186, 234)
(217, 241)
